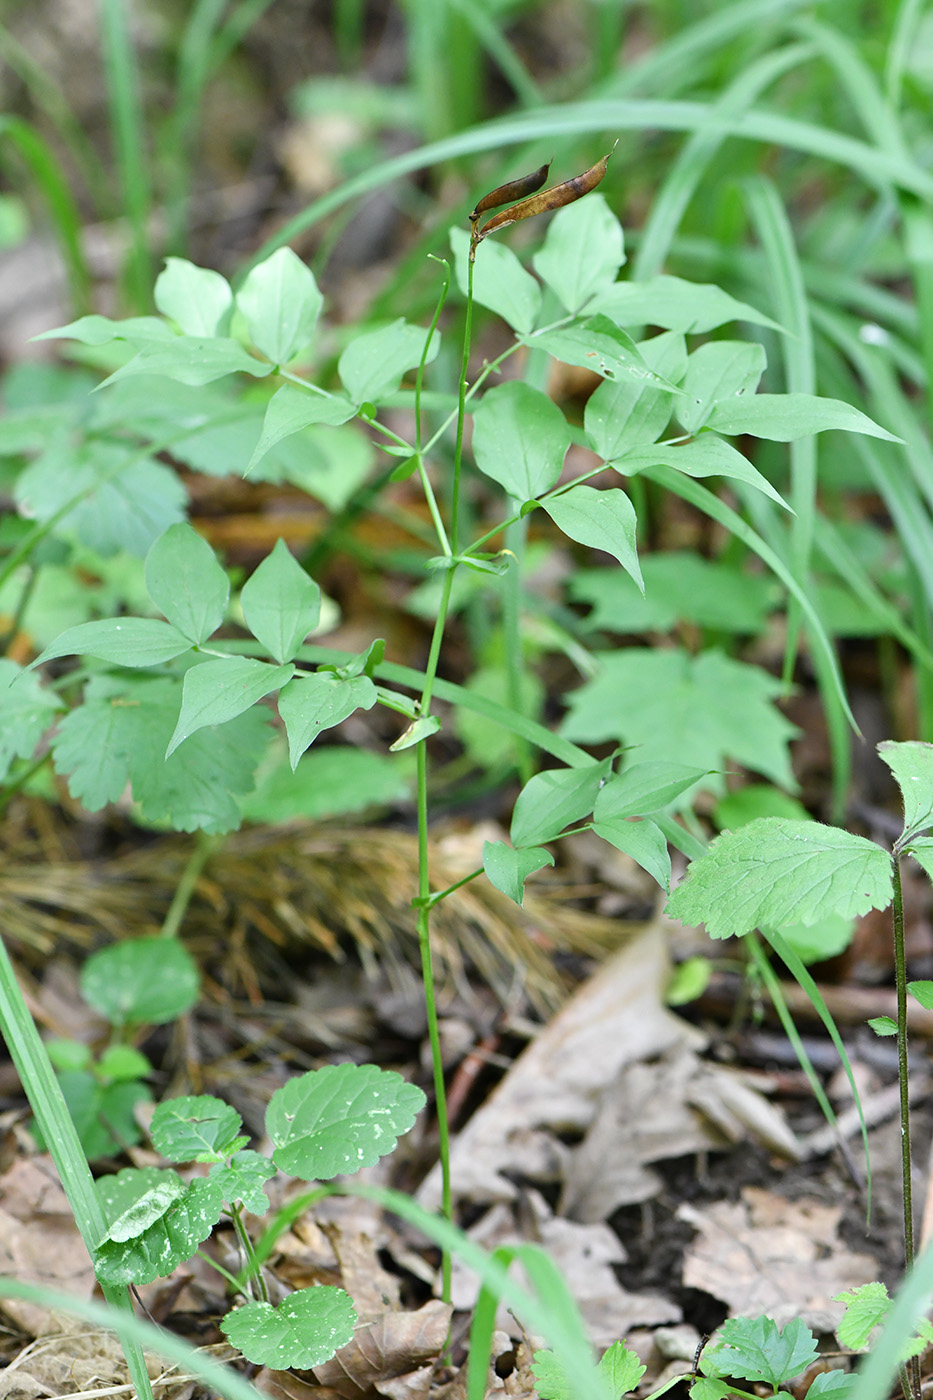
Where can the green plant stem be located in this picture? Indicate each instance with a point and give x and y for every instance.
(461, 413)
(515, 537)
(47, 1102)
(204, 848)
(251, 1269)
(903, 1075)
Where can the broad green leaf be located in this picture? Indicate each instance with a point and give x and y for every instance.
(217, 691)
(119, 1193)
(104, 1114)
(597, 344)
(281, 604)
(508, 869)
(167, 1242)
(196, 298)
(122, 501)
(195, 1128)
(834, 1385)
(702, 712)
(373, 363)
(787, 417)
(923, 991)
(690, 307)
(706, 455)
(280, 302)
(128, 641)
(643, 840)
(921, 848)
(192, 360)
(622, 1368)
(520, 438)
(720, 370)
(642, 788)
(499, 280)
(26, 711)
(121, 1063)
(866, 1308)
(330, 464)
(150, 1207)
(776, 872)
(582, 252)
(141, 981)
(304, 1330)
(883, 1025)
(827, 938)
(626, 413)
(756, 800)
(186, 583)
(101, 330)
(243, 1180)
(310, 704)
(552, 800)
(756, 1349)
(290, 409)
(601, 519)
(551, 1380)
(119, 736)
(339, 1119)
(328, 782)
(679, 587)
(911, 762)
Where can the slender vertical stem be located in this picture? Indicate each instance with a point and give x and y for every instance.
(461, 412)
(204, 848)
(903, 1073)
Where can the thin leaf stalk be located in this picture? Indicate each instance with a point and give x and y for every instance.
(461, 413)
(910, 1375)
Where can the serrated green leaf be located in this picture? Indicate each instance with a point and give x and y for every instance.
(622, 1368)
(597, 344)
(706, 455)
(373, 363)
(756, 1349)
(787, 417)
(151, 1206)
(310, 704)
(690, 307)
(339, 1119)
(700, 711)
(196, 298)
(123, 501)
(911, 763)
(832, 1385)
(191, 360)
(921, 848)
(304, 1330)
(185, 1129)
(643, 840)
(218, 691)
(582, 252)
(499, 280)
(290, 410)
(883, 1025)
(26, 711)
(119, 736)
(243, 1180)
(774, 871)
(127, 641)
(120, 1191)
(552, 800)
(642, 788)
(550, 1377)
(719, 371)
(186, 583)
(281, 604)
(866, 1308)
(508, 869)
(167, 1242)
(280, 302)
(141, 981)
(520, 438)
(601, 519)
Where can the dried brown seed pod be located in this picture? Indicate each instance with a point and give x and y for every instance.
(513, 189)
(554, 198)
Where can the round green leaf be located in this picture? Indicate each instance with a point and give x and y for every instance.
(194, 1128)
(306, 1329)
(141, 981)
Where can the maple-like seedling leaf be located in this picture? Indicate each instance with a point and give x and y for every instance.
(304, 1330)
(756, 1349)
(196, 1128)
(775, 871)
(339, 1119)
(243, 1180)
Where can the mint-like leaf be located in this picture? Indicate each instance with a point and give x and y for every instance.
(911, 762)
(306, 1328)
(243, 1180)
(196, 1128)
(167, 1242)
(339, 1119)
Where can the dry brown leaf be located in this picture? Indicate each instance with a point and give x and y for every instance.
(677, 1105)
(586, 1256)
(765, 1254)
(387, 1355)
(39, 1243)
(615, 1018)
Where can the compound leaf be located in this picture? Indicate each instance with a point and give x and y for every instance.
(339, 1119)
(26, 711)
(756, 1349)
(550, 801)
(196, 298)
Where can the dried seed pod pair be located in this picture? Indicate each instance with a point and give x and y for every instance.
(531, 203)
